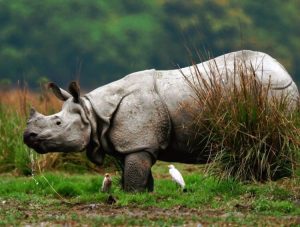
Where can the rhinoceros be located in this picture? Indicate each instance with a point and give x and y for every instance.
(141, 118)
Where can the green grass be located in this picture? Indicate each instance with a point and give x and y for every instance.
(14, 155)
(208, 200)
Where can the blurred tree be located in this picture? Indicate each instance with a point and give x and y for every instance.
(204, 24)
(274, 30)
(56, 37)
(5, 84)
(222, 26)
(101, 41)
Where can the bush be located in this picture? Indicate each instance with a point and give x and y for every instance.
(250, 133)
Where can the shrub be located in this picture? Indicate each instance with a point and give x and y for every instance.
(249, 132)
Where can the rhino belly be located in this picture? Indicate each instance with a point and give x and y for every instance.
(182, 147)
(179, 99)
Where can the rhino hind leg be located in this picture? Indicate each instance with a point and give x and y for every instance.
(137, 176)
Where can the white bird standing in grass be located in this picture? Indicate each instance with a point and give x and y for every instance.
(177, 177)
(106, 184)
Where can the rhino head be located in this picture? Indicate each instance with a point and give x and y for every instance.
(66, 131)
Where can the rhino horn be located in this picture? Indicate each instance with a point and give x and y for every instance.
(33, 113)
(75, 91)
(59, 92)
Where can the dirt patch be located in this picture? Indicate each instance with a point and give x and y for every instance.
(149, 212)
(190, 215)
(80, 214)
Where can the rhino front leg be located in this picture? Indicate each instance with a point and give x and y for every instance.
(137, 174)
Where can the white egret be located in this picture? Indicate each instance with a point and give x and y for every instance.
(176, 176)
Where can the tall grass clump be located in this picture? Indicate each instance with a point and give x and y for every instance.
(14, 155)
(249, 129)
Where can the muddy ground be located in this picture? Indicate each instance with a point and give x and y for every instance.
(72, 214)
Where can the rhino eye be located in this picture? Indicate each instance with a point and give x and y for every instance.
(58, 123)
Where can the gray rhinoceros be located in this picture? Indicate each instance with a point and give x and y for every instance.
(142, 117)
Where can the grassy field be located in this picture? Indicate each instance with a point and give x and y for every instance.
(253, 143)
(64, 198)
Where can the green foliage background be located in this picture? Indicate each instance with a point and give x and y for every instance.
(101, 41)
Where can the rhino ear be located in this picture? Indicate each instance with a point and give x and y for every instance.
(75, 91)
(58, 92)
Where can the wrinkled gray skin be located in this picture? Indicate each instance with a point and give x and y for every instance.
(141, 118)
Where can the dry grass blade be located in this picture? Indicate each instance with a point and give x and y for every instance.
(251, 134)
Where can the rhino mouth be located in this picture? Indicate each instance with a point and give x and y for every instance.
(43, 145)
(31, 140)
(38, 149)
